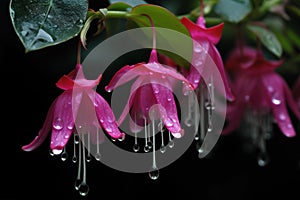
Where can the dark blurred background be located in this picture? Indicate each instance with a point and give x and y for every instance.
(28, 89)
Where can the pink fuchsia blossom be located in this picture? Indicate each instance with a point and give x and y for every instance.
(260, 89)
(296, 91)
(153, 86)
(205, 40)
(68, 109)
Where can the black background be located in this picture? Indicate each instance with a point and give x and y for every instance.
(28, 89)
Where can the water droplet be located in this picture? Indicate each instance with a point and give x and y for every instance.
(151, 73)
(98, 156)
(146, 148)
(58, 124)
(83, 189)
(122, 138)
(171, 144)
(149, 144)
(197, 48)
(163, 149)
(77, 184)
(169, 99)
(88, 158)
(197, 136)
(12, 13)
(263, 159)
(136, 147)
(64, 156)
(76, 138)
(209, 128)
(67, 136)
(188, 122)
(163, 76)
(156, 91)
(56, 151)
(74, 159)
(95, 104)
(108, 129)
(276, 101)
(70, 126)
(113, 139)
(109, 90)
(51, 152)
(282, 117)
(154, 173)
(168, 122)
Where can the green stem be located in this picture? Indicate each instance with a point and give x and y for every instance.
(118, 14)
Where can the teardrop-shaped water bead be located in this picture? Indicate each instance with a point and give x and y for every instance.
(51, 152)
(163, 149)
(147, 148)
(263, 159)
(122, 138)
(77, 184)
(136, 147)
(88, 158)
(83, 189)
(74, 159)
(149, 144)
(76, 138)
(154, 173)
(64, 156)
(98, 156)
(58, 124)
(171, 144)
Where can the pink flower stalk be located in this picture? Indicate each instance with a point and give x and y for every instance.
(67, 108)
(296, 91)
(153, 86)
(204, 45)
(260, 89)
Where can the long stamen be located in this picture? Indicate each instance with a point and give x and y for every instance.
(154, 171)
(78, 179)
(98, 155)
(162, 147)
(83, 187)
(88, 157)
(171, 142)
(146, 147)
(74, 159)
(64, 154)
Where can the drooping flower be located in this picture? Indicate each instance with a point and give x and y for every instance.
(204, 43)
(152, 86)
(67, 109)
(261, 91)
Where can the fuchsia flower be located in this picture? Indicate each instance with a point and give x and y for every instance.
(260, 89)
(153, 86)
(296, 91)
(66, 109)
(205, 41)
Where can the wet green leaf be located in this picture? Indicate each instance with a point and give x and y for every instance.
(267, 37)
(43, 23)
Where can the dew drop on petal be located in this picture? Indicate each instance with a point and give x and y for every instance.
(108, 129)
(276, 101)
(58, 124)
(122, 138)
(56, 151)
(168, 122)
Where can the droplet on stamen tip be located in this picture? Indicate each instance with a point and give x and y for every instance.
(163, 149)
(98, 156)
(74, 159)
(64, 156)
(154, 173)
(77, 184)
(88, 158)
(188, 122)
(83, 189)
(171, 144)
(136, 147)
(146, 148)
(51, 152)
(263, 159)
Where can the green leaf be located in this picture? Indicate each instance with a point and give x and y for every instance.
(163, 18)
(43, 23)
(120, 6)
(267, 37)
(233, 10)
(129, 2)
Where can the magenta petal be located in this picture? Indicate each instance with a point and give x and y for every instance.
(275, 91)
(290, 100)
(125, 74)
(63, 122)
(216, 57)
(43, 133)
(106, 117)
(234, 117)
(168, 109)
